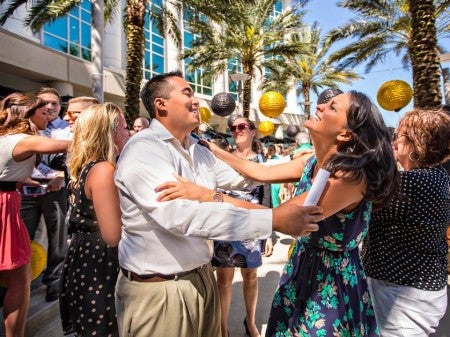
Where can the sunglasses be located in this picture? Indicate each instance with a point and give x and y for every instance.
(240, 127)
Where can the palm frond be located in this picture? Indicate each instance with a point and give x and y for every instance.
(10, 9)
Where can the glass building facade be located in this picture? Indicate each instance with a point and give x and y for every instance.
(72, 33)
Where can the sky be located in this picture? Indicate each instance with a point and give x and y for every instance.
(330, 16)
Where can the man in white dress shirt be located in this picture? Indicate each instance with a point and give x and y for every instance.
(166, 286)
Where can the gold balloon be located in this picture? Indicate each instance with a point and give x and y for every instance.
(205, 114)
(38, 260)
(394, 95)
(271, 104)
(266, 128)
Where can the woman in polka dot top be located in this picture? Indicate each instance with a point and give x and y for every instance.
(405, 252)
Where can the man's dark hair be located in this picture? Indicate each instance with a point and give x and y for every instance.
(157, 87)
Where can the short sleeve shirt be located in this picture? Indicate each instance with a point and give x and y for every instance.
(406, 243)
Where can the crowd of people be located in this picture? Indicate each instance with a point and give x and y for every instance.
(146, 226)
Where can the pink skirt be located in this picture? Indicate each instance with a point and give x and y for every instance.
(14, 239)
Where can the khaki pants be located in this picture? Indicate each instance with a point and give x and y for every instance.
(187, 307)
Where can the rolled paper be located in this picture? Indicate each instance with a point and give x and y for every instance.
(319, 183)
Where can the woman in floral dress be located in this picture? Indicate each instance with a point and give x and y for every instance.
(323, 289)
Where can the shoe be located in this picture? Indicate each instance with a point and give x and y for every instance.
(247, 331)
(52, 294)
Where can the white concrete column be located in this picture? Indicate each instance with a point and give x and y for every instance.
(114, 38)
(171, 51)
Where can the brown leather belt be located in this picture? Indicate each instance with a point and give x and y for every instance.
(156, 277)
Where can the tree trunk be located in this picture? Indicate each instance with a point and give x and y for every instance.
(424, 55)
(306, 87)
(134, 27)
(246, 97)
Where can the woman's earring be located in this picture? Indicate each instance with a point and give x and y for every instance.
(413, 156)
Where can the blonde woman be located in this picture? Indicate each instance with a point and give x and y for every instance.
(91, 266)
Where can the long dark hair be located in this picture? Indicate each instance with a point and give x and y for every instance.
(369, 154)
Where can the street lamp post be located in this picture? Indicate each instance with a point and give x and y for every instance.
(240, 77)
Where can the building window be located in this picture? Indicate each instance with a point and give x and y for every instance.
(198, 82)
(71, 34)
(277, 9)
(153, 63)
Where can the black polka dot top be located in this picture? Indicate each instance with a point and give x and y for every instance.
(406, 241)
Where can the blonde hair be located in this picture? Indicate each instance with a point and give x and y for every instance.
(93, 137)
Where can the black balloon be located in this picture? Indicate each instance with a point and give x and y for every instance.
(223, 104)
(292, 130)
(328, 94)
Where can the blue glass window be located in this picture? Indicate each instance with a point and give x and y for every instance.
(153, 48)
(72, 33)
(199, 83)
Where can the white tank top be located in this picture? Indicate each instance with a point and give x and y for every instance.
(10, 170)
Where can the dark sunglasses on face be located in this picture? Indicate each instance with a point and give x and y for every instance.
(240, 127)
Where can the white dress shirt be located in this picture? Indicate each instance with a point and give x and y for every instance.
(174, 236)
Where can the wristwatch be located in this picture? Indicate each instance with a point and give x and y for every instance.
(217, 197)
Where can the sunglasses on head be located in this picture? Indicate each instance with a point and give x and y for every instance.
(240, 127)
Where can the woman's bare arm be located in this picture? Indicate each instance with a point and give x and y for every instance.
(28, 146)
(289, 171)
(100, 188)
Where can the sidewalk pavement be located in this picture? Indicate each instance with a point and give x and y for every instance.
(268, 275)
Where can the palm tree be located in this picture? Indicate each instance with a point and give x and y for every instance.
(134, 30)
(424, 55)
(244, 33)
(311, 71)
(385, 27)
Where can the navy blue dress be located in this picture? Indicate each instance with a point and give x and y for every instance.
(323, 289)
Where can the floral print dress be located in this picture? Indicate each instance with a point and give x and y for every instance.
(323, 289)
